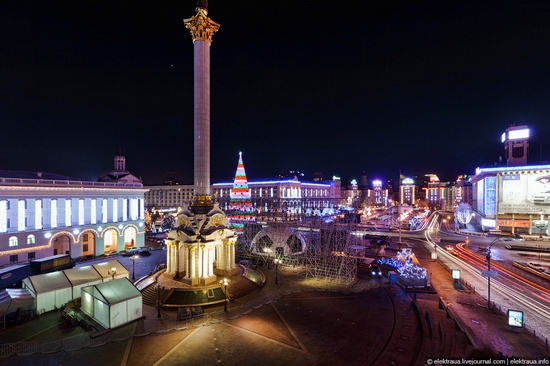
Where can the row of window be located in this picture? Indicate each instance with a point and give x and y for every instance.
(14, 241)
(131, 208)
(15, 257)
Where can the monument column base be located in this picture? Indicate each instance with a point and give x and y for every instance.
(207, 280)
(190, 281)
(227, 272)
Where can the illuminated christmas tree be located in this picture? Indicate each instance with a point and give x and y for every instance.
(241, 210)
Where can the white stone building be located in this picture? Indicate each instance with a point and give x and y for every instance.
(169, 197)
(43, 214)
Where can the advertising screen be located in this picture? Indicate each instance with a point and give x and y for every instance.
(515, 318)
(456, 274)
(524, 193)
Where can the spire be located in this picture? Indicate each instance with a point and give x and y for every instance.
(241, 210)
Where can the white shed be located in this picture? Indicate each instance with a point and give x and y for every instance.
(50, 290)
(81, 277)
(111, 270)
(112, 303)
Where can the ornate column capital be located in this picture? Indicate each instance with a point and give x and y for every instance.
(202, 28)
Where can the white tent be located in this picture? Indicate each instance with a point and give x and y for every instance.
(50, 290)
(12, 299)
(112, 303)
(110, 269)
(81, 277)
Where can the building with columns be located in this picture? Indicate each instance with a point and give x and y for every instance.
(43, 214)
(281, 200)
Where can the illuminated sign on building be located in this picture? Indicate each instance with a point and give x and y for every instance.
(514, 223)
(518, 134)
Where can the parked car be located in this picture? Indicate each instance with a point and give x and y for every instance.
(143, 252)
(84, 258)
(535, 266)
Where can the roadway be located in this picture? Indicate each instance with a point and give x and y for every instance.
(514, 287)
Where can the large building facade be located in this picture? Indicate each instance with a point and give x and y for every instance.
(514, 199)
(169, 197)
(43, 214)
(282, 200)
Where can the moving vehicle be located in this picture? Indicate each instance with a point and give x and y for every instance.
(375, 271)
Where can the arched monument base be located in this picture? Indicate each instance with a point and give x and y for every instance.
(226, 272)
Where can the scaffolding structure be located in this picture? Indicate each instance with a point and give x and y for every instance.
(331, 249)
(331, 254)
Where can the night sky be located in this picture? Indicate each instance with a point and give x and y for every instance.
(339, 87)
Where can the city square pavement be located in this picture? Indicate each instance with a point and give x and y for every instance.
(297, 321)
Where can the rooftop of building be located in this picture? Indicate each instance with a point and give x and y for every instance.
(18, 174)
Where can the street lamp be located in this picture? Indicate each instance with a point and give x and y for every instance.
(276, 261)
(225, 282)
(488, 257)
(133, 259)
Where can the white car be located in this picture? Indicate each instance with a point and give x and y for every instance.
(542, 198)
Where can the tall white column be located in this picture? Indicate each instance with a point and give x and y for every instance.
(193, 262)
(201, 62)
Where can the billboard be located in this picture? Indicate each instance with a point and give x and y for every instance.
(524, 193)
(515, 318)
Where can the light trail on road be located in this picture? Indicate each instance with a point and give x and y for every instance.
(520, 294)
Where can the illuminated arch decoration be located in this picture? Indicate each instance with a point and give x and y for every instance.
(128, 226)
(93, 231)
(59, 233)
(110, 227)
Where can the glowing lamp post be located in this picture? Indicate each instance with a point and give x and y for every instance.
(133, 258)
(276, 261)
(225, 282)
